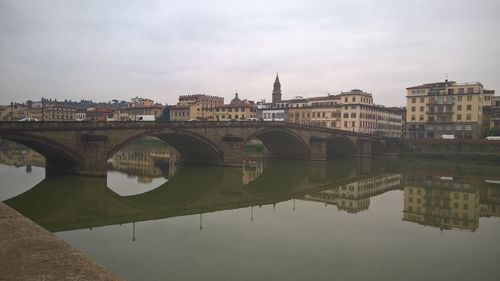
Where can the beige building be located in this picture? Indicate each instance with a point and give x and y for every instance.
(351, 111)
(199, 107)
(138, 107)
(447, 107)
(13, 112)
(237, 109)
(50, 111)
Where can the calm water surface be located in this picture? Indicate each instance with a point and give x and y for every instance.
(350, 219)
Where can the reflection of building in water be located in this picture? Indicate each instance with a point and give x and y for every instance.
(252, 168)
(441, 202)
(147, 162)
(489, 201)
(16, 155)
(355, 197)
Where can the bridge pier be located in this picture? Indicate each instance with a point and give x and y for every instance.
(318, 149)
(232, 150)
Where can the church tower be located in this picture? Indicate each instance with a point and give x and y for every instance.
(277, 90)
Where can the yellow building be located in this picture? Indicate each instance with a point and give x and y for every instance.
(237, 109)
(448, 107)
(191, 107)
(442, 203)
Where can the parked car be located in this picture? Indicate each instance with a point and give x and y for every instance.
(447, 137)
(253, 119)
(493, 138)
(143, 118)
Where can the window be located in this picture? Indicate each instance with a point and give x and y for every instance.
(412, 109)
(459, 117)
(413, 100)
(469, 98)
(460, 90)
(422, 99)
(346, 115)
(421, 108)
(470, 90)
(353, 99)
(459, 107)
(353, 115)
(468, 117)
(413, 118)
(459, 98)
(421, 118)
(469, 107)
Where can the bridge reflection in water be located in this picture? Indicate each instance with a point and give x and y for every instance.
(432, 196)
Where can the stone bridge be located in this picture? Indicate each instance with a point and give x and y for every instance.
(84, 147)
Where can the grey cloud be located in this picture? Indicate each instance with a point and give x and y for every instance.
(161, 49)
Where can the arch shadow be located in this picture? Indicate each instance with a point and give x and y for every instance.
(340, 147)
(192, 147)
(282, 143)
(57, 156)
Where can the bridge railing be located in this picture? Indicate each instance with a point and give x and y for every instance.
(93, 125)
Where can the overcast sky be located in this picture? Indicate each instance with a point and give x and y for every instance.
(102, 50)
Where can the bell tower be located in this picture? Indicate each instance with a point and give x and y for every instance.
(277, 90)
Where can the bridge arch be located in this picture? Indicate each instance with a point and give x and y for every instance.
(282, 143)
(57, 156)
(340, 146)
(192, 147)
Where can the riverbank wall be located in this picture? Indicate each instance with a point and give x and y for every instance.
(474, 150)
(29, 252)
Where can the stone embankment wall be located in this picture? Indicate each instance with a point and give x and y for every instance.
(453, 149)
(29, 252)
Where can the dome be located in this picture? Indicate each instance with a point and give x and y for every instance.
(236, 100)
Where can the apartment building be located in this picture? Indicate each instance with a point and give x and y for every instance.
(50, 111)
(137, 107)
(448, 107)
(198, 106)
(237, 109)
(351, 111)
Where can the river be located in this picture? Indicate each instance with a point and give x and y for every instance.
(345, 219)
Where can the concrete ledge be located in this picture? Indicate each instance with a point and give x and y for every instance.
(29, 252)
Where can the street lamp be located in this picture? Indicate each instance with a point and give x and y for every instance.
(42, 109)
(11, 111)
